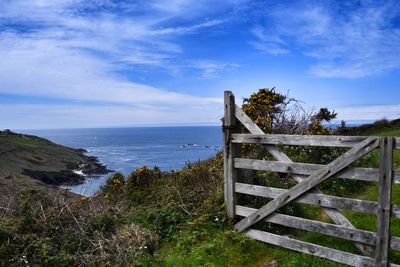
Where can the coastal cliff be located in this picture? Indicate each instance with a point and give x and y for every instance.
(31, 162)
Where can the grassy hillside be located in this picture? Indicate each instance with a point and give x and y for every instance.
(196, 245)
(380, 127)
(32, 162)
(177, 218)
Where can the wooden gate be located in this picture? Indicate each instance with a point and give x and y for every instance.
(373, 246)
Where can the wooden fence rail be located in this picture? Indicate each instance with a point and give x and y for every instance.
(373, 246)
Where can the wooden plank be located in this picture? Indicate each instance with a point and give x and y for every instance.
(331, 169)
(321, 200)
(397, 143)
(357, 235)
(298, 140)
(229, 154)
(314, 226)
(396, 177)
(395, 211)
(247, 122)
(395, 242)
(364, 174)
(385, 192)
(311, 249)
(334, 214)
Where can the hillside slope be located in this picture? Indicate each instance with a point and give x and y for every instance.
(177, 218)
(28, 162)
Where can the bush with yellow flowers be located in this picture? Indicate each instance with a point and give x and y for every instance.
(263, 107)
(142, 177)
(114, 186)
(277, 113)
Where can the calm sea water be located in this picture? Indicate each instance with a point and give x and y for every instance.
(125, 149)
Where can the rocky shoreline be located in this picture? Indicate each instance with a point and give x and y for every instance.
(29, 162)
(74, 174)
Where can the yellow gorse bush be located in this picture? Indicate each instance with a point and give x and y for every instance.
(142, 176)
(263, 106)
(273, 113)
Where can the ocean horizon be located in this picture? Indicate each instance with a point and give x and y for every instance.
(124, 149)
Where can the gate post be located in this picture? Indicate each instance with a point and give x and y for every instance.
(230, 150)
(385, 191)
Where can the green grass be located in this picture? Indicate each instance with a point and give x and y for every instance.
(368, 221)
(227, 248)
(386, 132)
(21, 141)
(205, 237)
(184, 212)
(221, 247)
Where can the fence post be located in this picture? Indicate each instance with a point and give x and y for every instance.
(229, 153)
(385, 192)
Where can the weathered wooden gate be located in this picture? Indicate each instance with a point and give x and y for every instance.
(374, 246)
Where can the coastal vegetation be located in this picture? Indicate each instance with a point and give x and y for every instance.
(177, 218)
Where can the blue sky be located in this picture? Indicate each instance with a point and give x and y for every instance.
(102, 63)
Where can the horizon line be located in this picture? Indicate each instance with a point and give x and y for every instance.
(166, 125)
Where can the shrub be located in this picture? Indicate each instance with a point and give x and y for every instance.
(39, 230)
(104, 223)
(264, 107)
(114, 185)
(142, 177)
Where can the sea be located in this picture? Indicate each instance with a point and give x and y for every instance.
(125, 149)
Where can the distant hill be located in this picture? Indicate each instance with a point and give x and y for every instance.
(380, 127)
(28, 161)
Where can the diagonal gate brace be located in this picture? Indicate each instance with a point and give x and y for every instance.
(324, 173)
(334, 214)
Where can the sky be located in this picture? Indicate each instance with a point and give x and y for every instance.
(113, 63)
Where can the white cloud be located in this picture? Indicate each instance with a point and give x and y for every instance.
(42, 116)
(62, 54)
(46, 68)
(211, 69)
(369, 112)
(74, 50)
(347, 40)
(189, 29)
(268, 43)
(195, 8)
